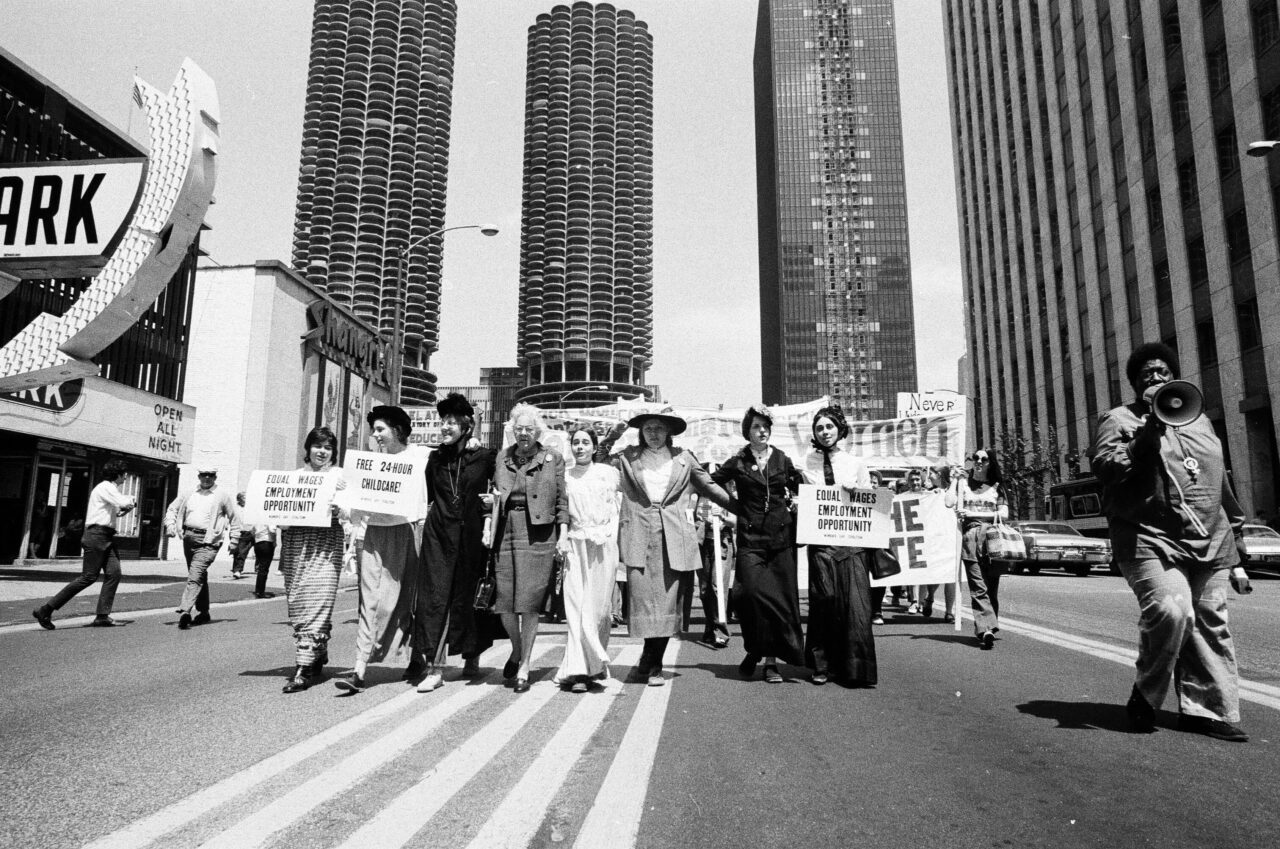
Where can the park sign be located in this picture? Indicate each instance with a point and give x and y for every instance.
(65, 219)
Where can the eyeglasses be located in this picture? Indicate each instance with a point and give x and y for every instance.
(524, 429)
(981, 460)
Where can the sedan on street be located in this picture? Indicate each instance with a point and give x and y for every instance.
(1058, 544)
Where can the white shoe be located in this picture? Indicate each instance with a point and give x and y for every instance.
(914, 608)
(431, 681)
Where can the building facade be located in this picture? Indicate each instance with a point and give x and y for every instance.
(1105, 202)
(375, 152)
(586, 234)
(835, 275)
(54, 439)
(273, 356)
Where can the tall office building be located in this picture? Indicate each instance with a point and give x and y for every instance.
(375, 151)
(1104, 202)
(586, 234)
(835, 274)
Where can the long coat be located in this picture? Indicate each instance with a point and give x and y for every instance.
(642, 522)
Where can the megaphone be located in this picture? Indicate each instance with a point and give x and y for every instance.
(1175, 403)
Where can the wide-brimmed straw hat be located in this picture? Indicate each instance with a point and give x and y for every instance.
(675, 424)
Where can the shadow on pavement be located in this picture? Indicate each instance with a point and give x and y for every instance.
(1080, 715)
(61, 577)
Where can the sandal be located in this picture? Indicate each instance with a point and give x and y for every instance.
(772, 675)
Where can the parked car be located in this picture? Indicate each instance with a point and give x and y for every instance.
(1263, 545)
(1059, 544)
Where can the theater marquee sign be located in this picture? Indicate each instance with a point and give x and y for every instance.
(63, 219)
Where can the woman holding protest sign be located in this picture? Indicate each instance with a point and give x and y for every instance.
(979, 500)
(385, 553)
(839, 643)
(591, 561)
(310, 561)
(657, 540)
(928, 592)
(453, 554)
(531, 503)
(766, 594)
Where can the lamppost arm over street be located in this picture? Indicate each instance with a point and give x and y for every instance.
(599, 387)
(1262, 148)
(402, 272)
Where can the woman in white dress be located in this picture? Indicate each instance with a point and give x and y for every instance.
(591, 560)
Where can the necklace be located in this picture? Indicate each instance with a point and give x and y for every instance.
(457, 473)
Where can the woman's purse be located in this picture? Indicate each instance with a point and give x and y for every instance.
(487, 586)
(883, 564)
(1004, 542)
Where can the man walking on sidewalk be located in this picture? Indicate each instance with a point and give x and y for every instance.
(199, 518)
(106, 505)
(240, 546)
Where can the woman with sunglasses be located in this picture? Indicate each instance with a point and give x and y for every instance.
(978, 498)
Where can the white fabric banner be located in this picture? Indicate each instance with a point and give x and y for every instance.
(832, 515)
(924, 539)
(384, 483)
(290, 498)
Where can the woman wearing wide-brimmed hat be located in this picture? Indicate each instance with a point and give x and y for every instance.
(766, 594)
(386, 549)
(657, 542)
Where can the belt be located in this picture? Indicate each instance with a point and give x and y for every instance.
(104, 527)
(192, 530)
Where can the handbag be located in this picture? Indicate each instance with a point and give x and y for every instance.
(1004, 542)
(487, 586)
(882, 563)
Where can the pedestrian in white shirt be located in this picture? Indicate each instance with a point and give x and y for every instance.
(199, 518)
(106, 505)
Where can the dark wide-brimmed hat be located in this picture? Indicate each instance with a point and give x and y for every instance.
(675, 424)
(455, 404)
(393, 416)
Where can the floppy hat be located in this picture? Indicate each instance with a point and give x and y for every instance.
(675, 424)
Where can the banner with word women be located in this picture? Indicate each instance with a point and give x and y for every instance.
(385, 483)
(298, 498)
(833, 515)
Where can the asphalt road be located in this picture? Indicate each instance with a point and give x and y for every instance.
(144, 735)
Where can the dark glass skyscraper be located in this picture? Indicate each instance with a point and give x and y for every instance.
(586, 233)
(835, 275)
(375, 155)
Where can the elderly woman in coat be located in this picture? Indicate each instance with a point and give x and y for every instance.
(657, 542)
(531, 503)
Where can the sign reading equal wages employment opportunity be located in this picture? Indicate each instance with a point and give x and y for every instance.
(290, 498)
(384, 483)
(833, 515)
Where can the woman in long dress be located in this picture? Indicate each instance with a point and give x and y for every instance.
(310, 561)
(839, 642)
(657, 540)
(453, 555)
(766, 593)
(387, 549)
(591, 562)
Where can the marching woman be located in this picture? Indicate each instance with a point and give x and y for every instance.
(310, 562)
(386, 553)
(453, 555)
(839, 643)
(768, 598)
(657, 542)
(531, 502)
(978, 498)
(591, 562)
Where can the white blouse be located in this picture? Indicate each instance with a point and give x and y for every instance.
(593, 502)
(849, 471)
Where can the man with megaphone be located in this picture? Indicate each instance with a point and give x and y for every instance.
(1176, 534)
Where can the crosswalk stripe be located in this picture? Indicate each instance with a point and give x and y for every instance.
(256, 829)
(518, 817)
(172, 817)
(614, 819)
(397, 823)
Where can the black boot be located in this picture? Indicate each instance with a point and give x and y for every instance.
(300, 681)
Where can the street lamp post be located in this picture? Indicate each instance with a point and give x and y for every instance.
(1262, 148)
(599, 387)
(402, 274)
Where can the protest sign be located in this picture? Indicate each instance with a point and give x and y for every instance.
(385, 483)
(297, 498)
(924, 540)
(833, 515)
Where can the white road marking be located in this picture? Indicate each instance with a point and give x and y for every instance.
(185, 811)
(256, 829)
(1252, 691)
(614, 818)
(517, 819)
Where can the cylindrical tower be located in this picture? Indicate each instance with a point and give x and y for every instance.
(375, 154)
(586, 236)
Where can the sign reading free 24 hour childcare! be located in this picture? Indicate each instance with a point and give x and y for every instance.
(833, 515)
(295, 498)
(384, 483)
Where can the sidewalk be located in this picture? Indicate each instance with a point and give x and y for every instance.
(144, 585)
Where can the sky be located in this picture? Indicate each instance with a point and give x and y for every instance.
(706, 305)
